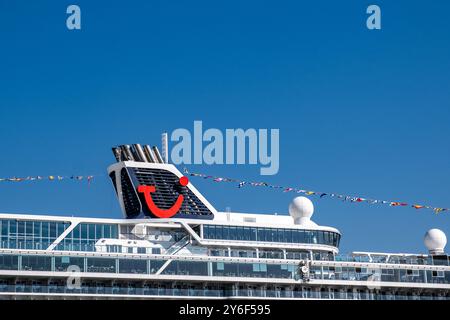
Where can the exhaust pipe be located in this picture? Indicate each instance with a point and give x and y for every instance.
(157, 154)
(139, 153)
(126, 150)
(117, 153)
(149, 154)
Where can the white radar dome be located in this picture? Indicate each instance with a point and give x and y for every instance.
(435, 240)
(301, 210)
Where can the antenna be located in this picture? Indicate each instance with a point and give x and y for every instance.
(165, 147)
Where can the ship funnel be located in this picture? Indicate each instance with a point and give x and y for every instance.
(157, 154)
(139, 153)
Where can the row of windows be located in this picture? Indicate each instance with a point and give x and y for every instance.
(139, 250)
(29, 234)
(39, 235)
(93, 231)
(103, 265)
(269, 254)
(223, 269)
(270, 235)
(29, 229)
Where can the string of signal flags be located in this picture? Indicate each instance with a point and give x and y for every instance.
(48, 178)
(242, 183)
(353, 199)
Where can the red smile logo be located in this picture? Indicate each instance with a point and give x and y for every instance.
(162, 213)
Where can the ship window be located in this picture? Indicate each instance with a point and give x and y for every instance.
(9, 262)
(226, 233)
(114, 231)
(101, 265)
(209, 232)
(233, 231)
(438, 274)
(240, 233)
(186, 268)
(142, 251)
(287, 236)
(265, 234)
(60, 228)
(212, 232)
(12, 227)
(271, 235)
(45, 229)
(62, 263)
(155, 265)
(304, 237)
(247, 234)
(205, 231)
(280, 236)
(91, 231)
(106, 231)
(132, 266)
(52, 230)
(387, 272)
(220, 266)
(218, 232)
(36, 263)
(260, 234)
(98, 231)
(84, 231)
(154, 250)
(76, 232)
(253, 234)
(21, 227)
(323, 237)
(5, 227)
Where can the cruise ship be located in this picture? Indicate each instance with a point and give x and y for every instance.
(173, 244)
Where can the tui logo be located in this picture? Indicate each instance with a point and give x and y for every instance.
(162, 213)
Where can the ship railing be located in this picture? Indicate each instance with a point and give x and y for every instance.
(133, 290)
(391, 259)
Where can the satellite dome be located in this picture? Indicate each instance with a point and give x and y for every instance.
(301, 209)
(435, 240)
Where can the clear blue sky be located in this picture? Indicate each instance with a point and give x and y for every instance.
(360, 112)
